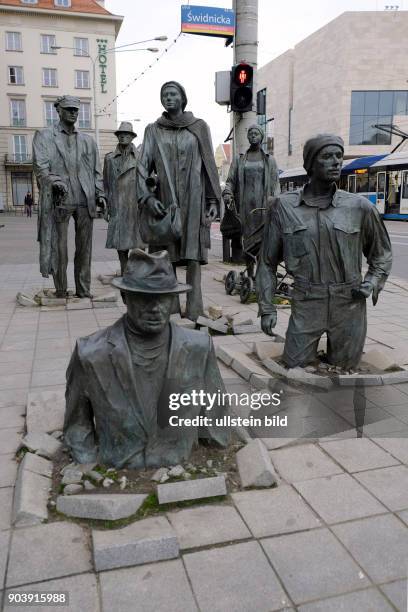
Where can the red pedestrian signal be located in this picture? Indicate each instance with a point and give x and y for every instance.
(241, 88)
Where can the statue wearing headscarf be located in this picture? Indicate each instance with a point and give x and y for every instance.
(178, 148)
(252, 178)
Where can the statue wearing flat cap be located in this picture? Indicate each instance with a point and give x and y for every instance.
(121, 381)
(67, 167)
(178, 149)
(322, 234)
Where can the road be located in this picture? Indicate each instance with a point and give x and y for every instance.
(18, 242)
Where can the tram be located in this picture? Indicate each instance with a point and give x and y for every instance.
(383, 179)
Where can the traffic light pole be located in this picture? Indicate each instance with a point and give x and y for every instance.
(245, 51)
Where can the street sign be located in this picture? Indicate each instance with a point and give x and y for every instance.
(207, 21)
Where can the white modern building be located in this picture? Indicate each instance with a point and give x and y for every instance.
(51, 48)
(346, 78)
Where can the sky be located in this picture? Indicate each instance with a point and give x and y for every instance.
(193, 60)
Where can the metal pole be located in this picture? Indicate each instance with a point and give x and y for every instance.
(245, 50)
(96, 117)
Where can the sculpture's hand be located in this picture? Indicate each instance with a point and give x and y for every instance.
(363, 292)
(211, 212)
(60, 187)
(227, 200)
(268, 322)
(101, 205)
(156, 208)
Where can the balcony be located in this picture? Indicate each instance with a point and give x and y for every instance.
(18, 159)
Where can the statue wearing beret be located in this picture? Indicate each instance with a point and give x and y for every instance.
(121, 379)
(178, 148)
(322, 233)
(67, 167)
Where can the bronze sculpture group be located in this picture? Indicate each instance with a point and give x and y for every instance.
(120, 379)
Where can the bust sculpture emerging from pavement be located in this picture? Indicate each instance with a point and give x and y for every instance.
(321, 233)
(120, 379)
(178, 148)
(67, 168)
(119, 177)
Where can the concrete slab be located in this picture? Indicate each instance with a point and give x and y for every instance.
(45, 409)
(379, 544)
(330, 569)
(31, 498)
(359, 601)
(358, 454)
(8, 470)
(103, 507)
(389, 485)
(12, 417)
(254, 466)
(396, 446)
(207, 525)
(41, 443)
(10, 440)
(276, 511)
(397, 593)
(236, 577)
(4, 546)
(191, 489)
(302, 462)
(6, 502)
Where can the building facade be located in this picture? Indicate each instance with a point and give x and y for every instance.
(51, 48)
(346, 78)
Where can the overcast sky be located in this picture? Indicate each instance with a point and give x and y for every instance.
(193, 60)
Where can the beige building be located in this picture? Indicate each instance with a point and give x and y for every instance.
(345, 78)
(50, 48)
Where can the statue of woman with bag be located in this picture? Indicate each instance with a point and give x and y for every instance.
(178, 216)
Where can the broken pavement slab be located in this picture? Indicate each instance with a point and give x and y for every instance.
(219, 326)
(41, 443)
(200, 488)
(26, 300)
(255, 466)
(30, 497)
(240, 362)
(267, 349)
(36, 464)
(100, 506)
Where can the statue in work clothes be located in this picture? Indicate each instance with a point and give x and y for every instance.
(67, 168)
(322, 233)
(119, 177)
(186, 143)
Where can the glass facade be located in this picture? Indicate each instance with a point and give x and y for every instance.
(370, 108)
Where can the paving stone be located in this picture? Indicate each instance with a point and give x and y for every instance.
(386, 396)
(82, 589)
(79, 304)
(6, 502)
(56, 550)
(4, 544)
(206, 525)
(191, 489)
(389, 485)
(14, 397)
(10, 440)
(31, 498)
(275, 367)
(276, 511)
(236, 577)
(358, 454)
(267, 350)
(339, 498)
(219, 326)
(41, 443)
(303, 462)
(313, 565)
(397, 593)
(104, 304)
(255, 328)
(152, 539)
(404, 516)
(12, 417)
(72, 476)
(379, 359)
(215, 312)
(26, 300)
(369, 600)
(379, 544)
(100, 506)
(72, 489)
(398, 447)
(106, 297)
(155, 587)
(255, 466)
(8, 470)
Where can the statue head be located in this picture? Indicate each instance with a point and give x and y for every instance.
(68, 108)
(148, 286)
(255, 134)
(173, 97)
(125, 133)
(323, 157)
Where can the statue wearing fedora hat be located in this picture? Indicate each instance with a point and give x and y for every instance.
(120, 380)
(67, 167)
(119, 177)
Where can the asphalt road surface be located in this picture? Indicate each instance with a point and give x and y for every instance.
(18, 242)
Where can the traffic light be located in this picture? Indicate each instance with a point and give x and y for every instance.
(241, 90)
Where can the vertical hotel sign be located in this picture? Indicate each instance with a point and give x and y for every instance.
(207, 21)
(102, 59)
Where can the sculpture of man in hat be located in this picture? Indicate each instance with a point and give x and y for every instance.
(121, 380)
(322, 233)
(66, 164)
(178, 148)
(119, 177)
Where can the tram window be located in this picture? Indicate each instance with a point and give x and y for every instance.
(405, 185)
(372, 182)
(361, 183)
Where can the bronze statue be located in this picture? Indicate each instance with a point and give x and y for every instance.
(121, 379)
(322, 233)
(66, 164)
(178, 148)
(119, 177)
(252, 179)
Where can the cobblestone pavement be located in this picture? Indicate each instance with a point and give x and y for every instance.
(332, 536)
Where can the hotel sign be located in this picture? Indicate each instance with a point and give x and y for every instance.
(102, 59)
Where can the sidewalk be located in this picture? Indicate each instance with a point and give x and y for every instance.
(332, 536)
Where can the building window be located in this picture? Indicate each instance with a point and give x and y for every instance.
(63, 3)
(374, 108)
(49, 77)
(29, 1)
(13, 41)
(82, 79)
(47, 43)
(18, 113)
(81, 46)
(15, 75)
(20, 147)
(50, 113)
(84, 116)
